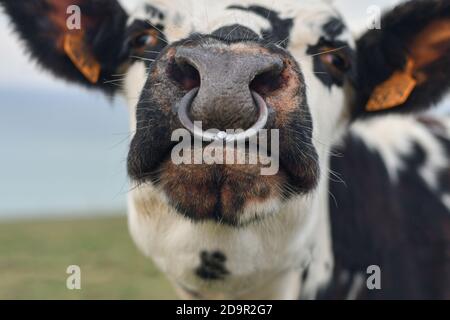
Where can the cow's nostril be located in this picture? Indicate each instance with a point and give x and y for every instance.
(267, 82)
(184, 74)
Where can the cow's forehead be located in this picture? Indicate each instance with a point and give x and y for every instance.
(180, 18)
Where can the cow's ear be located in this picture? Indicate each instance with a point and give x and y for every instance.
(78, 40)
(405, 65)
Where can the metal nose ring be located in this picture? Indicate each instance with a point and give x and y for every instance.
(185, 103)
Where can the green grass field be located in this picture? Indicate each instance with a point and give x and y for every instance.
(34, 257)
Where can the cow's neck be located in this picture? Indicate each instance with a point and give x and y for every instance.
(316, 271)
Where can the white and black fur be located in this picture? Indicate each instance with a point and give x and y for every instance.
(380, 192)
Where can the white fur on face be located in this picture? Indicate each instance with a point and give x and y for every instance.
(267, 256)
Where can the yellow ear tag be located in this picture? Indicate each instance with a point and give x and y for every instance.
(394, 91)
(81, 56)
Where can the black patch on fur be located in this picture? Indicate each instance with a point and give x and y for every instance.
(333, 28)
(382, 52)
(281, 28)
(155, 130)
(402, 227)
(154, 12)
(305, 275)
(212, 266)
(235, 33)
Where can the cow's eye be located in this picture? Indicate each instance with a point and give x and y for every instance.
(148, 38)
(335, 60)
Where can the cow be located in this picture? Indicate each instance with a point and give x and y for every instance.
(363, 180)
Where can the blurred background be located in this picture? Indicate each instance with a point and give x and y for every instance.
(63, 182)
